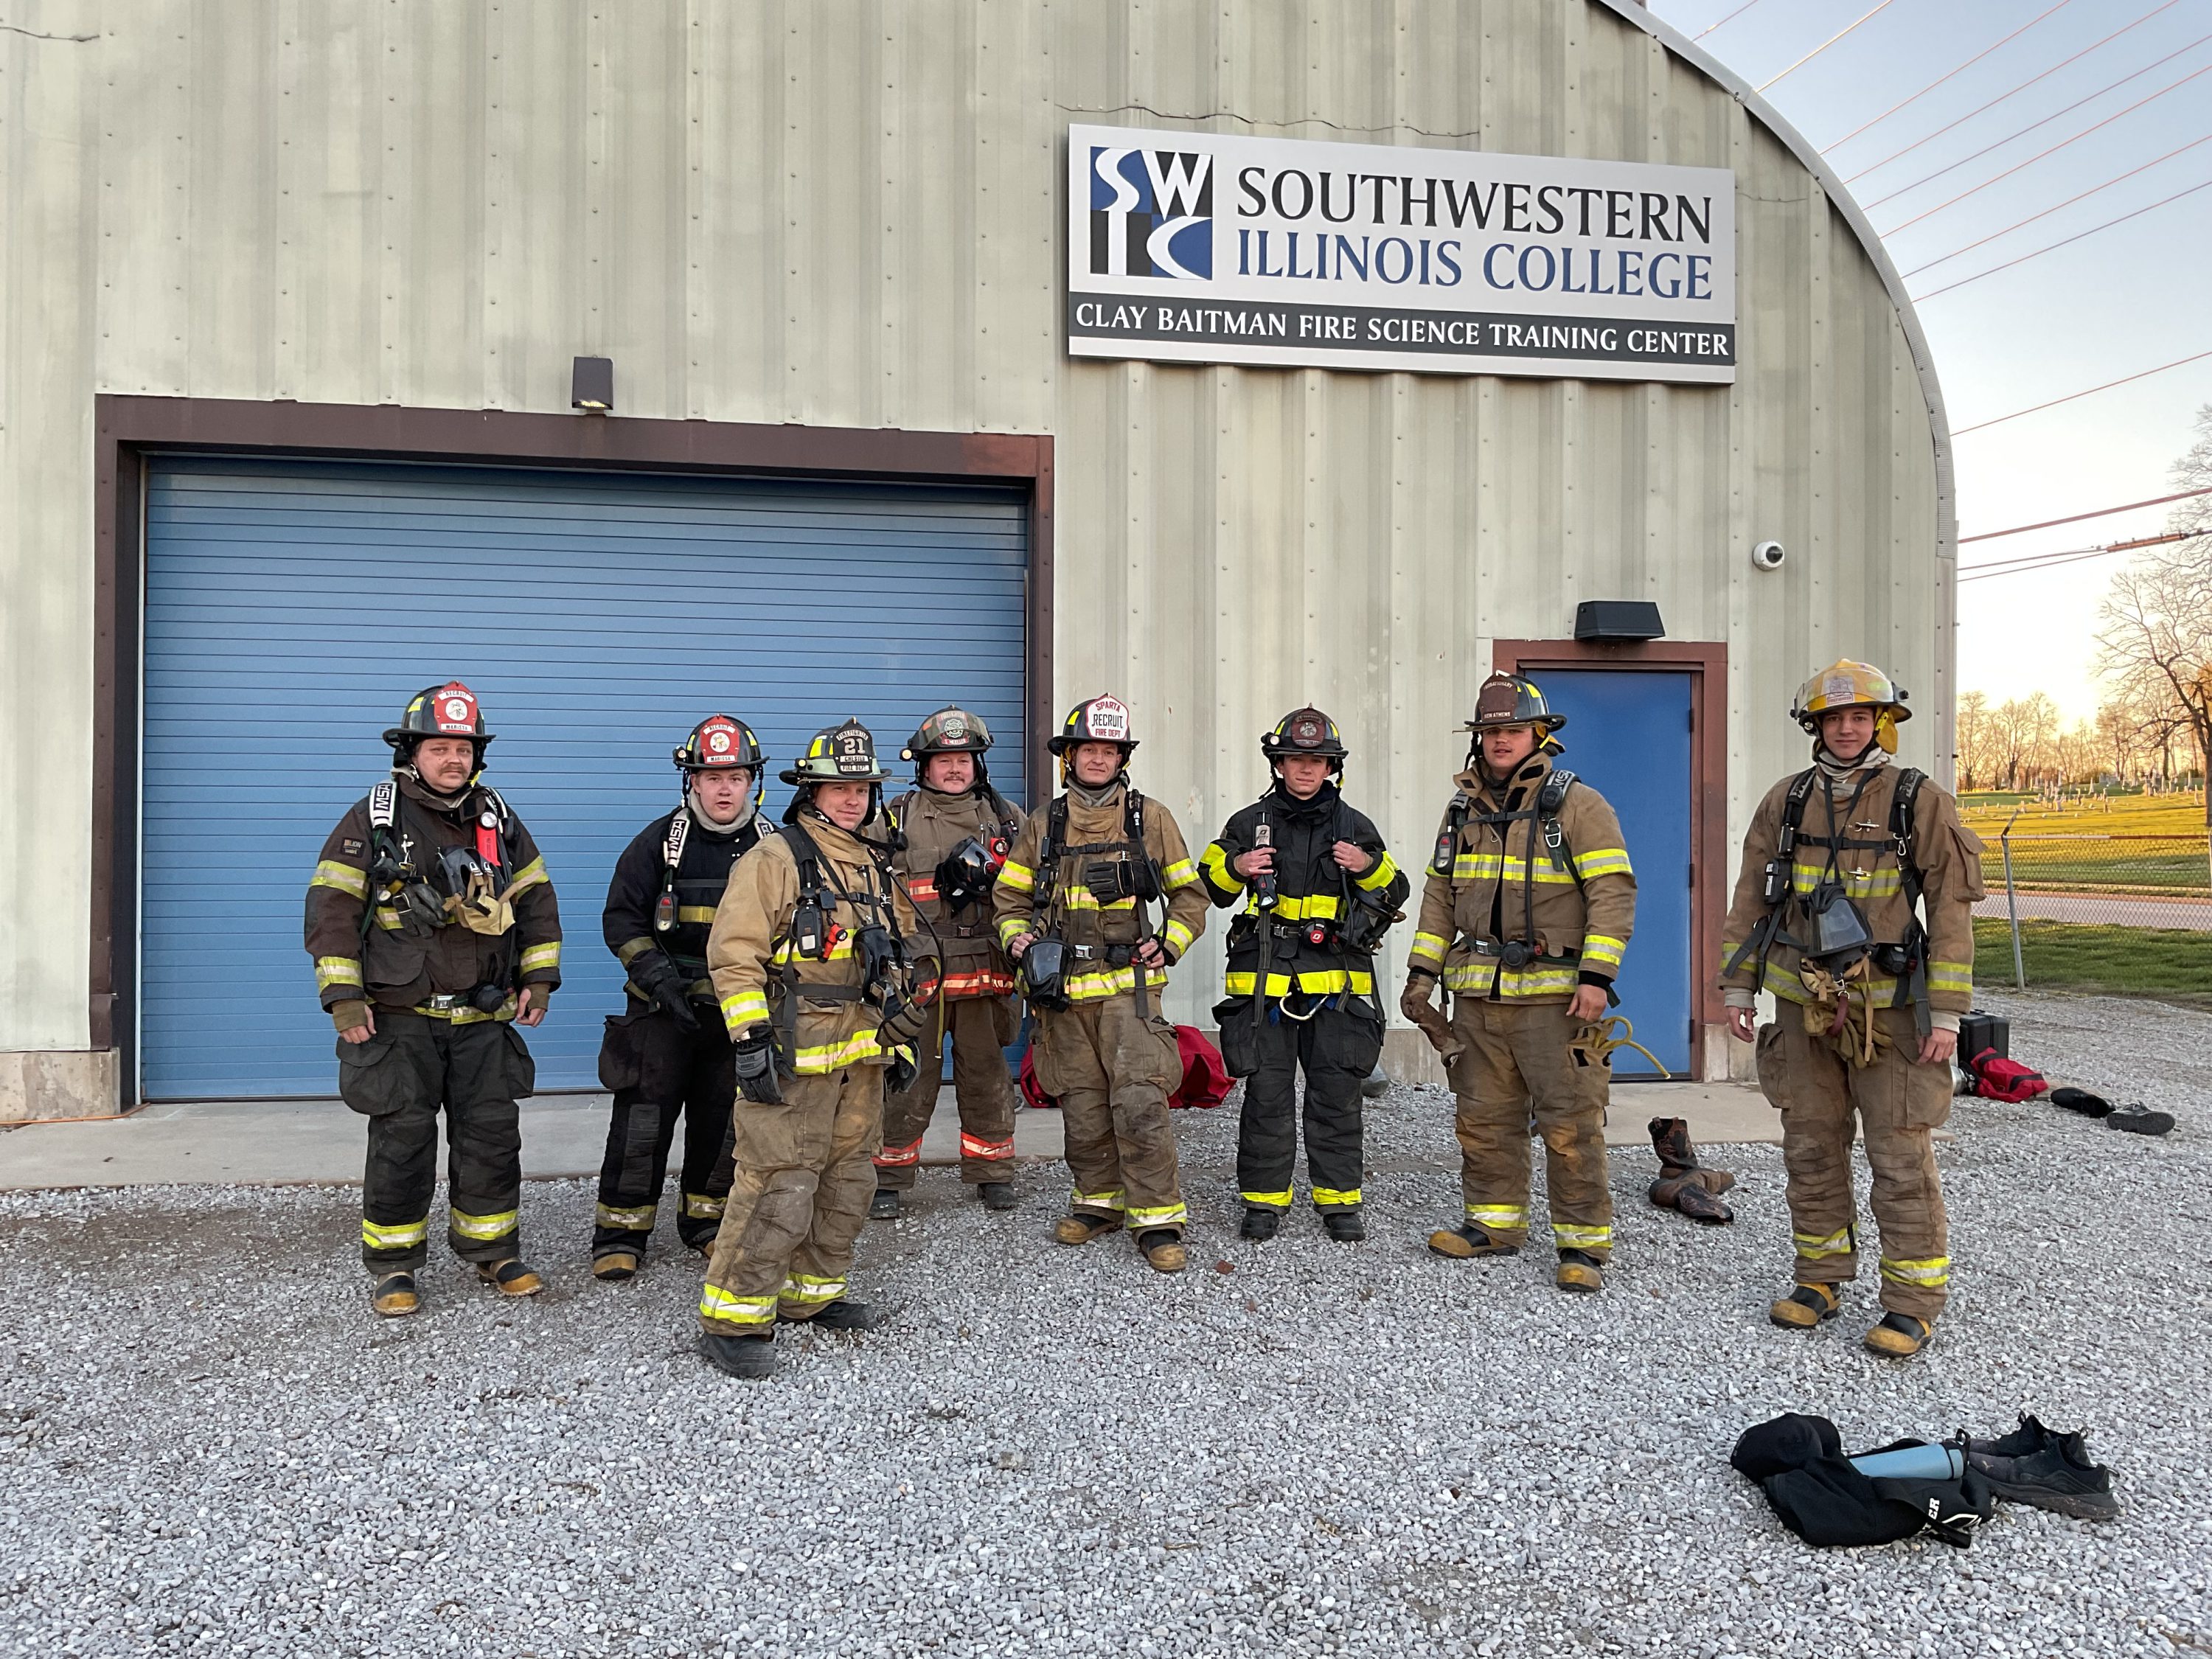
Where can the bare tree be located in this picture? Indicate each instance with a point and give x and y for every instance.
(1972, 737)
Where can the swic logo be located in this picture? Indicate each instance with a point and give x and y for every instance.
(1151, 213)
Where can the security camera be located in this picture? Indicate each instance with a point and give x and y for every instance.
(1767, 556)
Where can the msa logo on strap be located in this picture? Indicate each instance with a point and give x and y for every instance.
(679, 829)
(383, 804)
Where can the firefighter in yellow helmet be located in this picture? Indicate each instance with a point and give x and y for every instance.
(1855, 909)
(809, 957)
(1525, 914)
(1074, 907)
(956, 831)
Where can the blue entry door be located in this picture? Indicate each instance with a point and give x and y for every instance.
(1628, 733)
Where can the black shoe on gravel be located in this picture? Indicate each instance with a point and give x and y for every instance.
(2058, 1476)
(1259, 1225)
(748, 1357)
(1345, 1226)
(2030, 1437)
(838, 1316)
(886, 1205)
(997, 1194)
(2140, 1121)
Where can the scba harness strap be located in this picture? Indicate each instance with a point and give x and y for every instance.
(815, 931)
(1543, 812)
(1129, 854)
(494, 842)
(671, 857)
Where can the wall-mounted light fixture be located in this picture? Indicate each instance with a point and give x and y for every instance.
(592, 385)
(1618, 620)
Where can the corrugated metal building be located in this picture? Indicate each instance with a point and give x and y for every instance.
(826, 240)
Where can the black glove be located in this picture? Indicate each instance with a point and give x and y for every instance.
(903, 1072)
(662, 980)
(755, 1058)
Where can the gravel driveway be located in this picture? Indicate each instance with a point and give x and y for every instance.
(206, 1443)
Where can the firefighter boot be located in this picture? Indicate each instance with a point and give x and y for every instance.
(1805, 1307)
(1345, 1226)
(1080, 1228)
(394, 1297)
(615, 1265)
(1684, 1184)
(1163, 1251)
(1579, 1271)
(1259, 1225)
(748, 1357)
(1900, 1336)
(996, 1195)
(838, 1316)
(510, 1277)
(1467, 1240)
(886, 1205)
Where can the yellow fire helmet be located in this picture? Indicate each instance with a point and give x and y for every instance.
(1847, 684)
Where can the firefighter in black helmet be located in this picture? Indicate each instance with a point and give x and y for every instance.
(435, 934)
(1319, 890)
(955, 830)
(667, 1054)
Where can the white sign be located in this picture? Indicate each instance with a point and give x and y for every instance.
(1203, 247)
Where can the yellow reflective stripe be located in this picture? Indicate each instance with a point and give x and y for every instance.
(547, 955)
(1499, 1218)
(395, 1237)
(839, 952)
(1178, 876)
(1012, 929)
(715, 1303)
(336, 970)
(1603, 861)
(1935, 1270)
(1321, 981)
(1267, 1200)
(695, 913)
(1480, 974)
(812, 1287)
(1156, 1215)
(701, 1206)
(1082, 1200)
(1601, 948)
(1016, 878)
(1493, 866)
(387, 918)
(1950, 976)
(1859, 883)
(481, 1226)
(1094, 984)
(825, 1057)
(1380, 875)
(1077, 896)
(1570, 1238)
(529, 876)
(1728, 948)
(1339, 1196)
(342, 878)
(743, 1010)
(631, 949)
(1813, 1248)
(1178, 937)
(466, 1016)
(1430, 946)
(1215, 862)
(1312, 906)
(636, 1220)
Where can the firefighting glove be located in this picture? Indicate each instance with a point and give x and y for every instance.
(1413, 1003)
(662, 980)
(755, 1059)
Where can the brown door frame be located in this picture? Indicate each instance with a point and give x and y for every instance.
(1707, 664)
(128, 428)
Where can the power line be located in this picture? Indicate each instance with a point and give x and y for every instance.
(2035, 562)
(1883, 6)
(2101, 512)
(2043, 120)
(2093, 189)
(1731, 18)
(1940, 79)
(2040, 155)
(2164, 5)
(1920, 298)
(1960, 432)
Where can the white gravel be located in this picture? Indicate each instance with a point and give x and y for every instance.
(206, 1443)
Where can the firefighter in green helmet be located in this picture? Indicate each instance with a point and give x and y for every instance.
(955, 830)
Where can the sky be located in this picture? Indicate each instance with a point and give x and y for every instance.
(2128, 298)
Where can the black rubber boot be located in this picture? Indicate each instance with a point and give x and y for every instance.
(996, 1195)
(886, 1205)
(839, 1316)
(1345, 1226)
(748, 1357)
(1259, 1225)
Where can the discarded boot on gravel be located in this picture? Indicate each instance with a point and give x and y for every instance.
(510, 1277)
(1259, 1225)
(394, 1296)
(2056, 1474)
(1467, 1240)
(886, 1205)
(997, 1194)
(2082, 1101)
(748, 1357)
(1163, 1251)
(838, 1316)
(615, 1265)
(1805, 1307)
(1683, 1183)
(1079, 1229)
(1345, 1226)
(1579, 1271)
(2139, 1120)
(1900, 1336)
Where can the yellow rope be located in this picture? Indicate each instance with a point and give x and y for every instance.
(1596, 1040)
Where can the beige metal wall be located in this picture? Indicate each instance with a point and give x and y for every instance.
(831, 212)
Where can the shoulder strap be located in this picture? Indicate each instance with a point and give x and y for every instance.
(383, 804)
(1553, 795)
(1440, 862)
(679, 830)
(1793, 809)
(1549, 800)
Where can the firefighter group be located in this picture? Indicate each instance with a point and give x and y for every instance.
(791, 989)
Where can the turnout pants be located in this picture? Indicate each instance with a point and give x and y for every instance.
(798, 1198)
(1898, 1103)
(1336, 1049)
(1517, 1064)
(1112, 1069)
(399, 1079)
(981, 1028)
(660, 1071)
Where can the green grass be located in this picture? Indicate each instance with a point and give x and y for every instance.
(2079, 956)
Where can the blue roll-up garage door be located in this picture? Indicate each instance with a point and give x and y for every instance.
(291, 609)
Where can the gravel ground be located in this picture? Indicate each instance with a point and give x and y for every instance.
(206, 1443)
